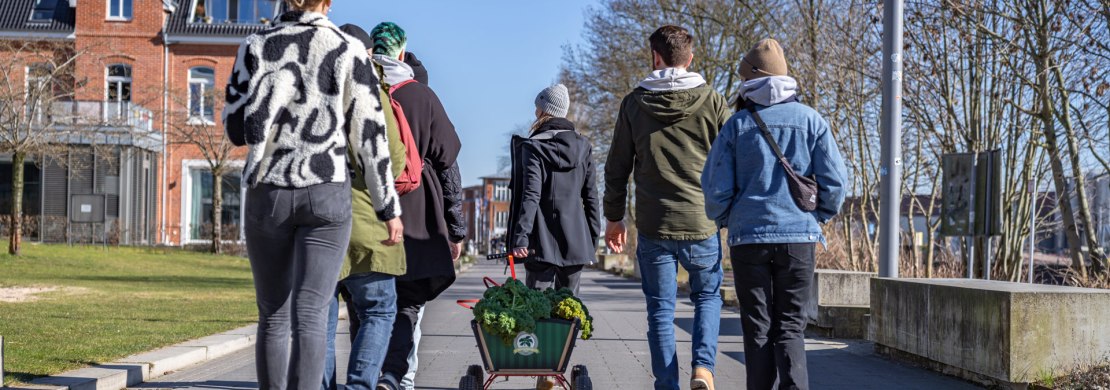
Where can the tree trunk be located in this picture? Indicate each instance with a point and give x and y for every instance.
(217, 211)
(15, 245)
(1063, 200)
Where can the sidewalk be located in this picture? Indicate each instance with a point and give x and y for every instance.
(617, 356)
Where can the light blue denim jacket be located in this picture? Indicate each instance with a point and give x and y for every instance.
(745, 187)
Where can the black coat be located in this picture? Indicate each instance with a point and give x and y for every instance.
(555, 209)
(424, 211)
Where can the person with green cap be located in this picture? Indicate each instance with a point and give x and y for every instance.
(762, 152)
(433, 211)
(662, 137)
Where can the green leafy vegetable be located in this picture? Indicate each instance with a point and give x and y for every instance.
(568, 307)
(511, 308)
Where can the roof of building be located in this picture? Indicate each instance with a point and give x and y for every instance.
(15, 15)
(179, 24)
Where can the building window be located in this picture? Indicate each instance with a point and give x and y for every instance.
(199, 199)
(501, 191)
(501, 220)
(119, 91)
(235, 11)
(43, 11)
(38, 89)
(202, 98)
(119, 9)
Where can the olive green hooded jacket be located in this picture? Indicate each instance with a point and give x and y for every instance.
(662, 139)
(366, 253)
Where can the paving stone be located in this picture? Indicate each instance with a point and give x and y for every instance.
(617, 356)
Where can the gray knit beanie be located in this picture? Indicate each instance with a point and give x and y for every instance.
(554, 101)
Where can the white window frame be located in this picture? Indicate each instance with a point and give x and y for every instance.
(35, 7)
(185, 236)
(228, 11)
(120, 17)
(108, 80)
(208, 85)
(27, 86)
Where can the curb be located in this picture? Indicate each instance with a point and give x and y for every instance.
(136, 369)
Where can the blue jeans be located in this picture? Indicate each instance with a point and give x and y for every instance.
(372, 307)
(659, 261)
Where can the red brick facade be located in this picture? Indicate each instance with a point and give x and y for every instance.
(139, 43)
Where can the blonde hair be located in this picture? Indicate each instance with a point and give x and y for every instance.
(540, 121)
(304, 4)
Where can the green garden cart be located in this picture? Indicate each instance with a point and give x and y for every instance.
(544, 353)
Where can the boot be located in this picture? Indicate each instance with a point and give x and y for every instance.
(702, 379)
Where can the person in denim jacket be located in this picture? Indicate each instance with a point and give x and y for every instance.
(771, 238)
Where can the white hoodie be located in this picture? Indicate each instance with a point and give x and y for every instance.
(672, 79)
(769, 91)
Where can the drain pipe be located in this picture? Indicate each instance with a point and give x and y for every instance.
(165, 122)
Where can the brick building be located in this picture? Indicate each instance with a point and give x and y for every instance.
(145, 58)
(486, 209)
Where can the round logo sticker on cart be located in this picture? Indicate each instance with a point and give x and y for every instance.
(526, 344)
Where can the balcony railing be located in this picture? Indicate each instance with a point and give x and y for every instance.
(99, 122)
(98, 114)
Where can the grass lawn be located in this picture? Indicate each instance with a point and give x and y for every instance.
(115, 302)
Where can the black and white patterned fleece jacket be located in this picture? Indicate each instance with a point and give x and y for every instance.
(299, 93)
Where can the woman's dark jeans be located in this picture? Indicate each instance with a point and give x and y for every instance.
(773, 283)
(296, 240)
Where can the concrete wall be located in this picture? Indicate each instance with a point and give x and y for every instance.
(839, 288)
(991, 331)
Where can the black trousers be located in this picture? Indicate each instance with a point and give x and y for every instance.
(773, 283)
(411, 296)
(542, 276)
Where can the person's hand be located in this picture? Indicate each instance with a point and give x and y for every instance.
(456, 250)
(615, 236)
(520, 253)
(396, 232)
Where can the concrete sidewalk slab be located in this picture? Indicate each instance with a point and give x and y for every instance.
(164, 360)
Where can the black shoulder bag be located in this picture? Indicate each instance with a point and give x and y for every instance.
(802, 189)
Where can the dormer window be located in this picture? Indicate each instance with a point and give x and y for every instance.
(43, 11)
(235, 11)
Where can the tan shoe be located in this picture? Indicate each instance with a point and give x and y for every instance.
(702, 380)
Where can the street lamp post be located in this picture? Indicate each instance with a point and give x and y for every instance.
(891, 122)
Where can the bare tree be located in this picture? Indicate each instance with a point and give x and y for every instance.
(192, 128)
(38, 115)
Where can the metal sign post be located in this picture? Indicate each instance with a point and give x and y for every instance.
(890, 172)
(1032, 226)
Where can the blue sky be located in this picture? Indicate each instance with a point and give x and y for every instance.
(486, 59)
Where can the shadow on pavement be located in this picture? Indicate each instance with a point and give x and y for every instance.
(228, 385)
(729, 326)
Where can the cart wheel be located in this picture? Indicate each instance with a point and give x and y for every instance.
(469, 382)
(476, 371)
(582, 382)
(578, 371)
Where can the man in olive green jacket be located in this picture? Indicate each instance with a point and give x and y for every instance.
(367, 279)
(662, 138)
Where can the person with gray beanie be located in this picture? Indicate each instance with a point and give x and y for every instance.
(555, 212)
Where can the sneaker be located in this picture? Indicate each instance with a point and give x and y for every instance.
(702, 380)
(387, 382)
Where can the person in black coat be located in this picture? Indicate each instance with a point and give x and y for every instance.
(433, 212)
(555, 209)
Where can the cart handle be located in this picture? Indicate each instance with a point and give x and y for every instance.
(467, 303)
(490, 282)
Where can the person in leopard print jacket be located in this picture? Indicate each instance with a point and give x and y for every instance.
(301, 93)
